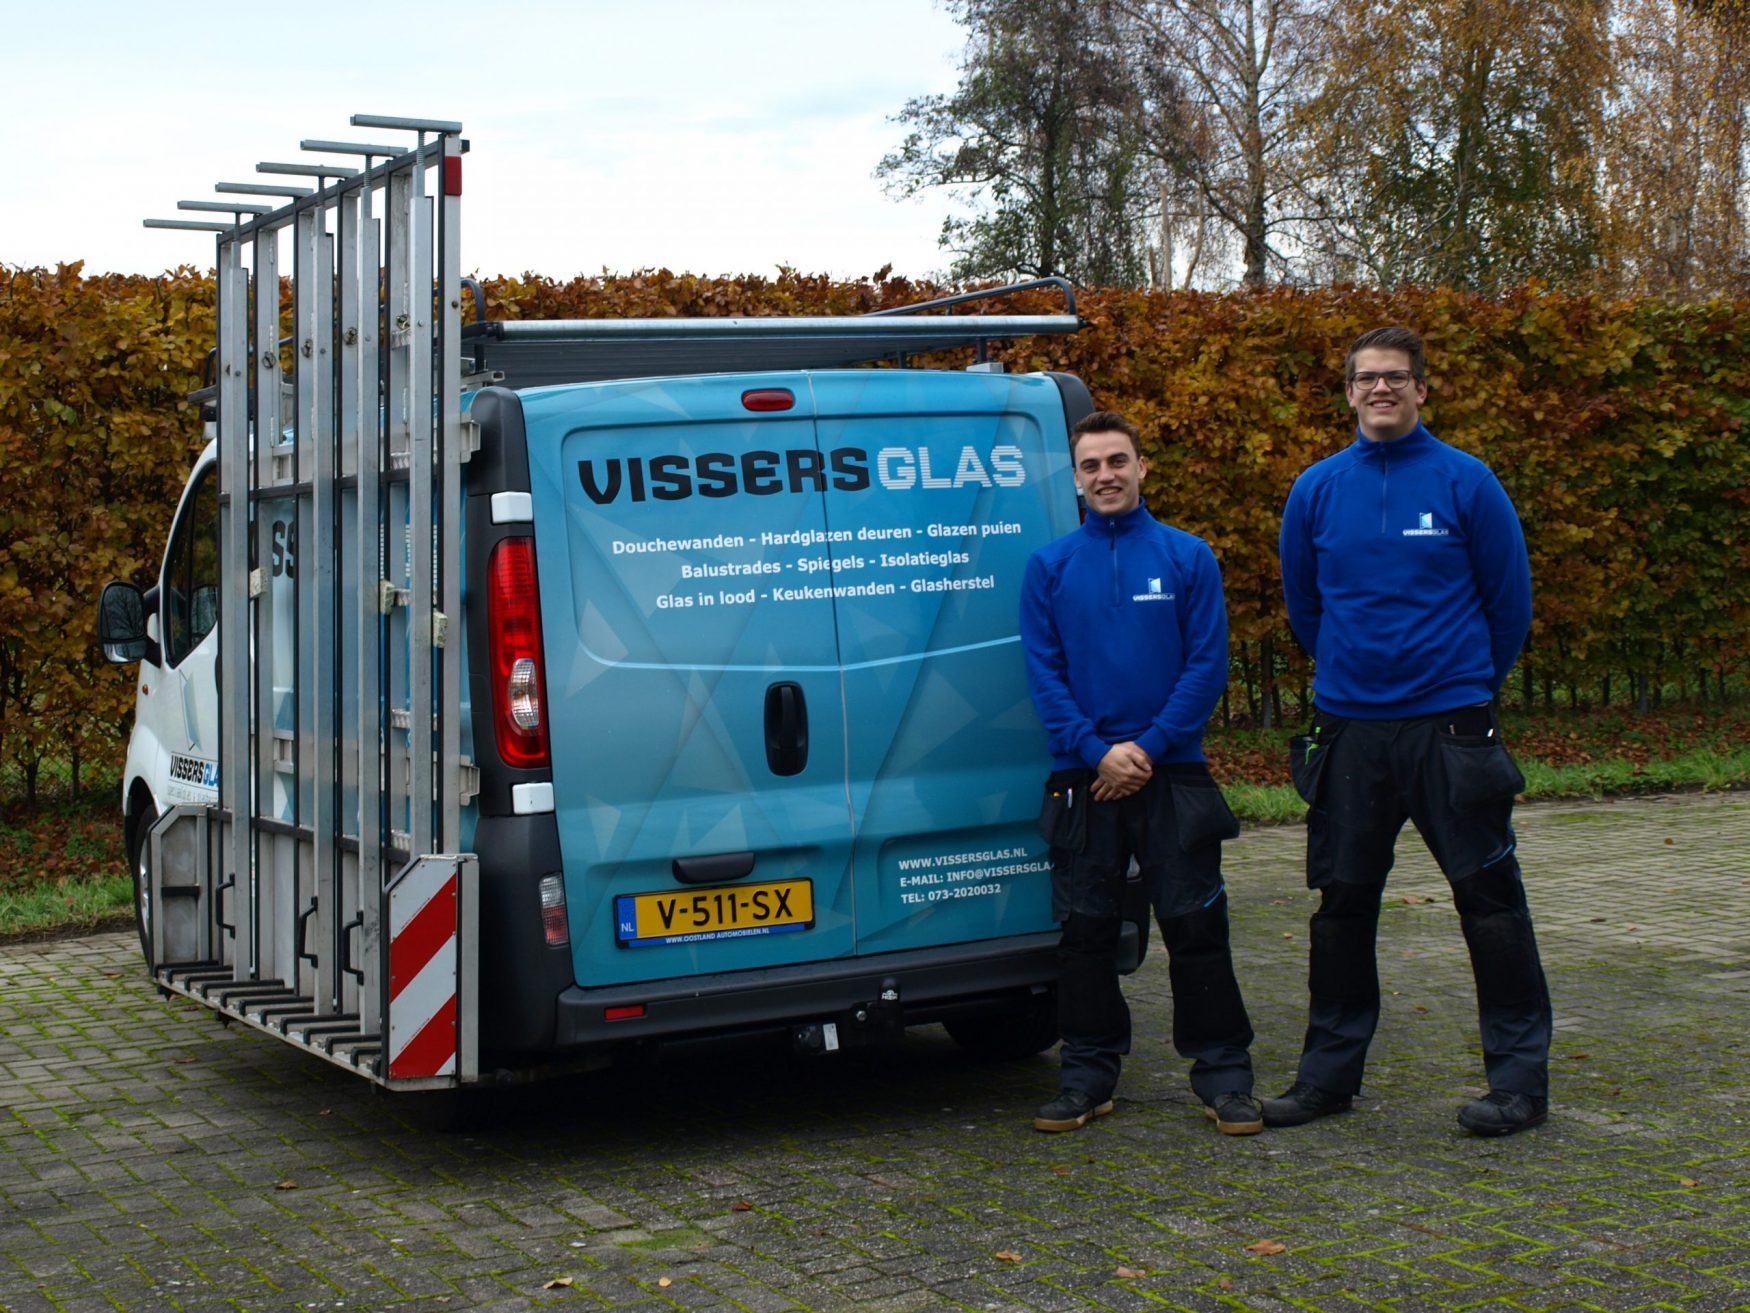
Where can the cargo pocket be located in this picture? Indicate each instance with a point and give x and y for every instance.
(1479, 770)
(1063, 817)
(1307, 754)
(1201, 815)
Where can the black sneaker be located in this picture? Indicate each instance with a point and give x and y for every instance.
(1501, 1112)
(1235, 1113)
(1069, 1111)
(1301, 1103)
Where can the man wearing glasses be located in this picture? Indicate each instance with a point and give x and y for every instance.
(1124, 630)
(1405, 573)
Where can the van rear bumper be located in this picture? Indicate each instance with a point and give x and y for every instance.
(931, 982)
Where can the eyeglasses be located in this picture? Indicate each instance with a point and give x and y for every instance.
(1395, 379)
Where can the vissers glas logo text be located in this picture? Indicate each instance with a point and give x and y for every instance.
(1154, 593)
(1425, 527)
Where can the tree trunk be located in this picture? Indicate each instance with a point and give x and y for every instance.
(1267, 680)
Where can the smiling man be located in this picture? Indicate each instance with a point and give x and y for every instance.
(1405, 573)
(1125, 633)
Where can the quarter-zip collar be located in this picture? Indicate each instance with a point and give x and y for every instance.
(1385, 456)
(1417, 440)
(1106, 528)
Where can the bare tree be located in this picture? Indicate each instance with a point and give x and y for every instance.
(1674, 168)
(1226, 81)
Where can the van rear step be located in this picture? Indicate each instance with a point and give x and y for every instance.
(275, 1009)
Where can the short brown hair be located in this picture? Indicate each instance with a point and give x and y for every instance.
(1407, 340)
(1105, 421)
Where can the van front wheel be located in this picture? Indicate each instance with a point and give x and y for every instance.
(1017, 1032)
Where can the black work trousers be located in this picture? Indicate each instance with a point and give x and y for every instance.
(1362, 780)
(1173, 826)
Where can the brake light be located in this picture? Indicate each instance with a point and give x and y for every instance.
(519, 684)
(768, 399)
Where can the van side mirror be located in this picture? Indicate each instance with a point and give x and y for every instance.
(121, 626)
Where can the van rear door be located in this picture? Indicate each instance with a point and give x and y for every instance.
(697, 720)
(946, 757)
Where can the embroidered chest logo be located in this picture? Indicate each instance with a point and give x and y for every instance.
(1154, 593)
(1425, 527)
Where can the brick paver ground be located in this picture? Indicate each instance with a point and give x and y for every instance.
(152, 1159)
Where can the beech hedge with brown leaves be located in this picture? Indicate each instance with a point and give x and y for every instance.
(1617, 426)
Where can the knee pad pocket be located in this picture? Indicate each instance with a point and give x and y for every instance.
(1341, 966)
(1503, 956)
(1090, 934)
(1490, 890)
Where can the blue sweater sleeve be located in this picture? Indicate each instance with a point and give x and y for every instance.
(1203, 631)
(1067, 728)
(1300, 571)
(1503, 573)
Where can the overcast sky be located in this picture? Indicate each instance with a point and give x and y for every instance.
(705, 136)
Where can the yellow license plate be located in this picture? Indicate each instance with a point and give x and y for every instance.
(691, 916)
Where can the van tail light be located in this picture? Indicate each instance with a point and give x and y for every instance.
(519, 683)
(553, 919)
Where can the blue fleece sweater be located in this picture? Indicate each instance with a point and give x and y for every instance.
(1125, 634)
(1406, 577)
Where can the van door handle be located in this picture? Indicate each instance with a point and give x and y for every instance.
(717, 868)
(786, 728)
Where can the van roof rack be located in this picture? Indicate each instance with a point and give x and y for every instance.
(534, 353)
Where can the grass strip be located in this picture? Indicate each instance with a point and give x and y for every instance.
(76, 903)
(1701, 769)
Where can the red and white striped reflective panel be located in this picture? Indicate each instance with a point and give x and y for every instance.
(422, 972)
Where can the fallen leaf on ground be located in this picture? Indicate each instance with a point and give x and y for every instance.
(1286, 935)
(741, 1206)
(1687, 1181)
(665, 1282)
(1668, 839)
(558, 1283)
(1132, 1272)
(1008, 1256)
(1224, 1284)
(1061, 1170)
(1578, 1057)
(1266, 1247)
(1414, 898)
(286, 1185)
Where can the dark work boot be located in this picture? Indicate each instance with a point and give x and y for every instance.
(1069, 1111)
(1301, 1103)
(1501, 1112)
(1234, 1113)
